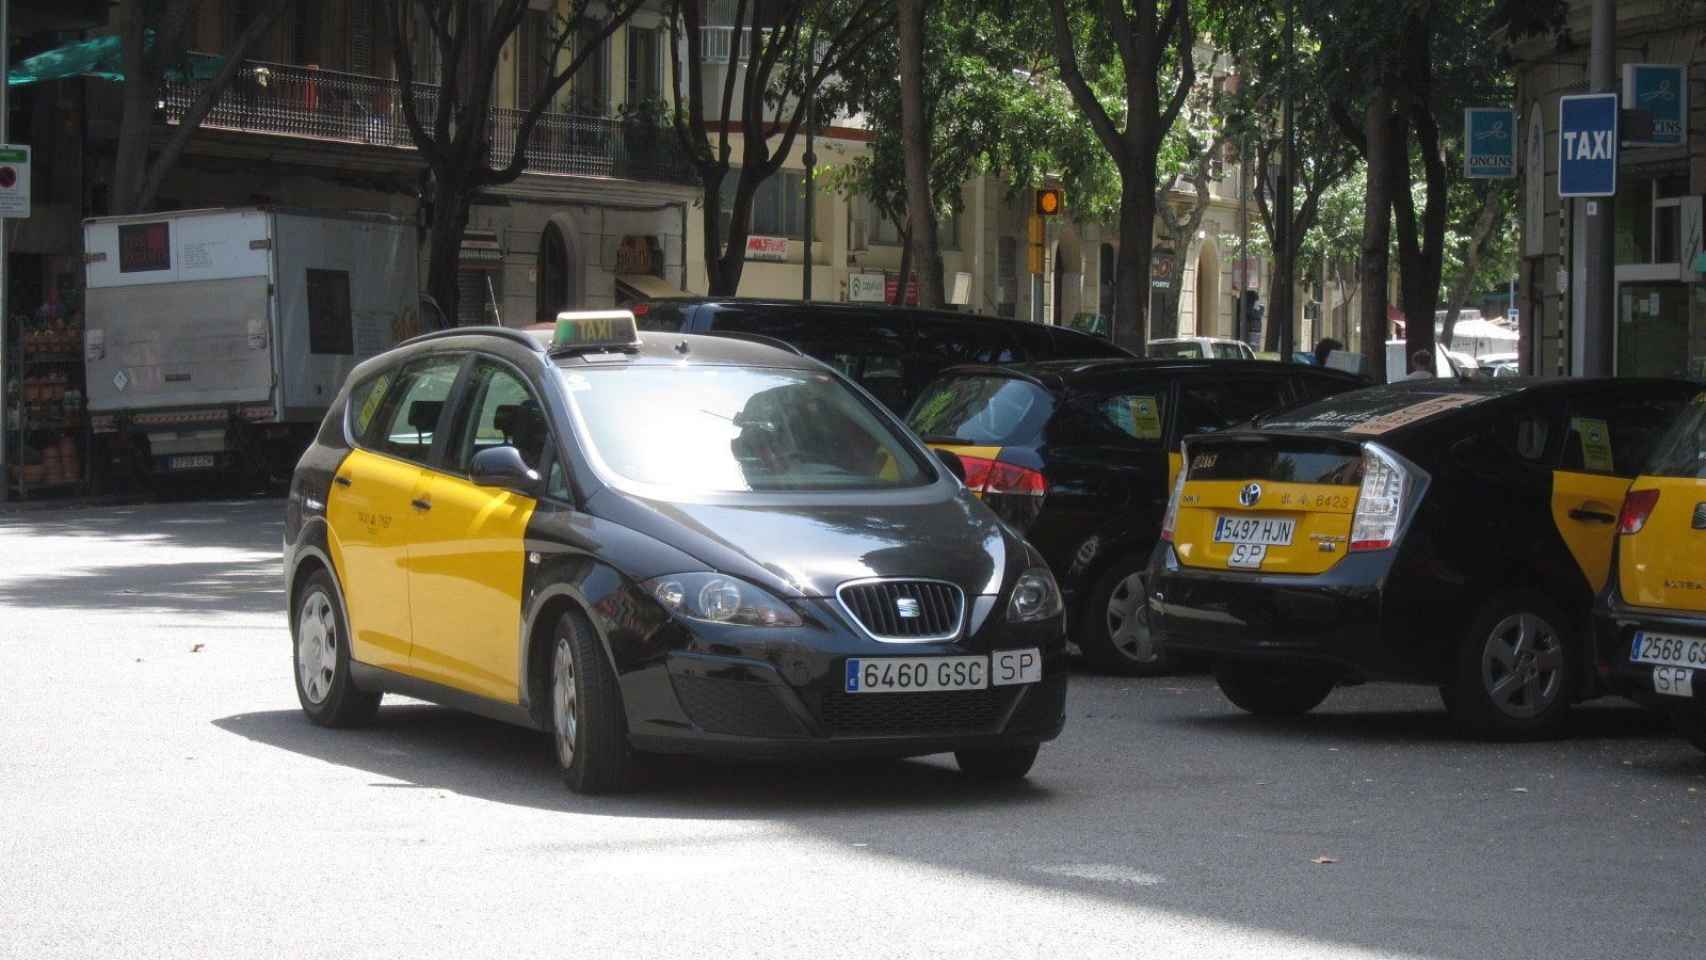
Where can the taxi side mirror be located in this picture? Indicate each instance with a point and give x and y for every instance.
(503, 467)
(953, 463)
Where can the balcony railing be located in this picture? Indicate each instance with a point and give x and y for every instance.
(293, 101)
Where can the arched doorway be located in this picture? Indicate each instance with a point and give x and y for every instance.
(560, 281)
(1208, 291)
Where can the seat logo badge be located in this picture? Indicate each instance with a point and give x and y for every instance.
(1250, 495)
(908, 608)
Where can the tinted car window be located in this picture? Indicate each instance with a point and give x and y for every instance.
(1188, 349)
(1075, 343)
(1615, 434)
(866, 346)
(661, 317)
(409, 418)
(734, 429)
(1135, 415)
(1681, 452)
(1206, 407)
(983, 411)
(1228, 351)
(969, 340)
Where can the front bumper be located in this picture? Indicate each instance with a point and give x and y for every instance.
(1339, 621)
(1615, 625)
(779, 693)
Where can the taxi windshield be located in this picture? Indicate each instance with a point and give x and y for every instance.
(736, 429)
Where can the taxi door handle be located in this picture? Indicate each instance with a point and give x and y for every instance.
(1592, 516)
(421, 504)
(342, 481)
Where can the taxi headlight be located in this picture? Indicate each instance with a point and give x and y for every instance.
(1035, 597)
(715, 598)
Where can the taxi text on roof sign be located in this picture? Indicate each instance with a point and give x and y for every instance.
(595, 329)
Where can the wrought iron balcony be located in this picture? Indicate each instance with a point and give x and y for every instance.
(295, 101)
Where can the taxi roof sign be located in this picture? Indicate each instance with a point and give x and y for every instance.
(595, 330)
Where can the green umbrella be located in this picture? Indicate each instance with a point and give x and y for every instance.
(103, 58)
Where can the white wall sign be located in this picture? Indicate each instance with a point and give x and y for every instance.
(14, 181)
(865, 287)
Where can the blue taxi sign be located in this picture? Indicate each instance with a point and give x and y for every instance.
(1587, 145)
(595, 330)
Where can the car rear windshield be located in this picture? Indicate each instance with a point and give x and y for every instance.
(1281, 459)
(713, 429)
(981, 411)
(1682, 451)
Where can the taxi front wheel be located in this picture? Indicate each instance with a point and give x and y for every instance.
(321, 643)
(1272, 690)
(1514, 672)
(589, 727)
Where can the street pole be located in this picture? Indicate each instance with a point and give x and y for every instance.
(811, 182)
(1599, 290)
(1283, 303)
(1239, 329)
(5, 326)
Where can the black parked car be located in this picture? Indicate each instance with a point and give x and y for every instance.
(890, 351)
(1446, 532)
(670, 544)
(1079, 455)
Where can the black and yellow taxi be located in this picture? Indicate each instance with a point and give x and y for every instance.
(1446, 532)
(660, 543)
(1079, 455)
(1651, 621)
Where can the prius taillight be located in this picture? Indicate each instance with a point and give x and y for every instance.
(1637, 507)
(994, 477)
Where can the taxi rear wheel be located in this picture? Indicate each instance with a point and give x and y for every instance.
(998, 763)
(1113, 627)
(588, 724)
(1272, 690)
(1515, 671)
(320, 643)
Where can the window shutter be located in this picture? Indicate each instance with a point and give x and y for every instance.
(361, 36)
(525, 54)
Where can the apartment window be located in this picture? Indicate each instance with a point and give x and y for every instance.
(591, 90)
(881, 231)
(778, 207)
(645, 66)
(534, 61)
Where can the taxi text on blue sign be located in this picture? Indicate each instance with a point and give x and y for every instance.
(1660, 89)
(1489, 134)
(1587, 145)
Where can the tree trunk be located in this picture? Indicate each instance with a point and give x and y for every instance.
(444, 251)
(1492, 215)
(905, 269)
(136, 119)
(1377, 230)
(1130, 325)
(915, 143)
(1271, 319)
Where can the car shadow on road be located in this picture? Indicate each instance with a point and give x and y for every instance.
(1595, 721)
(440, 748)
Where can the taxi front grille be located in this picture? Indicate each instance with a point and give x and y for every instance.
(905, 610)
(896, 714)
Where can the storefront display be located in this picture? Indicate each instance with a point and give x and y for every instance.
(46, 424)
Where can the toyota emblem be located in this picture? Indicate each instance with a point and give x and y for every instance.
(1250, 495)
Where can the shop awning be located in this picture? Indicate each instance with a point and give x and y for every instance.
(101, 57)
(644, 286)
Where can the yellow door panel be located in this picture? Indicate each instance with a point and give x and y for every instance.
(1584, 508)
(465, 572)
(1665, 564)
(1322, 514)
(371, 521)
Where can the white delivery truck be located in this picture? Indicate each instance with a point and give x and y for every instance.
(216, 339)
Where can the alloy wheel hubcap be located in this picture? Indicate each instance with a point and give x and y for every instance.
(316, 646)
(563, 698)
(1128, 620)
(1522, 665)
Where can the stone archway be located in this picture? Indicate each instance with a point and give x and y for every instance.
(561, 271)
(1208, 323)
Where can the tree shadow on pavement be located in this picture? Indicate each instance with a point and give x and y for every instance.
(256, 524)
(245, 586)
(441, 748)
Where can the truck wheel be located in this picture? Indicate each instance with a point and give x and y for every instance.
(1113, 625)
(588, 723)
(1515, 671)
(324, 687)
(997, 763)
(1272, 690)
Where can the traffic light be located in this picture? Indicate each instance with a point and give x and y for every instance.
(1050, 200)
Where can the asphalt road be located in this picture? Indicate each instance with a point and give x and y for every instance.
(163, 797)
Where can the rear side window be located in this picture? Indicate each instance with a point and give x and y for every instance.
(408, 420)
(1136, 416)
(1228, 351)
(661, 317)
(865, 346)
(1189, 350)
(1207, 407)
(1681, 452)
(366, 399)
(1615, 434)
(982, 411)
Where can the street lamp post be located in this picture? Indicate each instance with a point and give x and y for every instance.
(5, 327)
(1285, 287)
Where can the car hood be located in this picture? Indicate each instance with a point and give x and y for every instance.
(808, 548)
